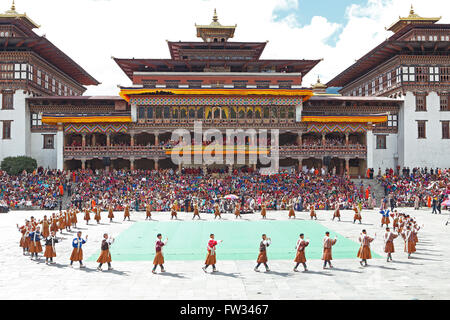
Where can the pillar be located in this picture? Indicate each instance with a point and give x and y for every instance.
(132, 139)
(179, 167)
(156, 164)
(347, 166)
(299, 139)
(346, 139)
(131, 163)
(254, 167)
(300, 162)
(108, 139)
(60, 147)
(230, 168)
(93, 139)
(83, 164)
(323, 139)
(370, 146)
(156, 138)
(83, 140)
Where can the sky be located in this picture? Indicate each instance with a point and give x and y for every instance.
(337, 31)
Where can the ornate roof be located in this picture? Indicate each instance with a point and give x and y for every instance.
(12, 13)
(412, 18)
(215, 32)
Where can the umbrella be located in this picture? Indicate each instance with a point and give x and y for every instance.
(231, 196)
(446, 203)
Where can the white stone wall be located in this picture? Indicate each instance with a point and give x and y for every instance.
(17, 145)
(432, 151)
(45, 157)
(385, 158)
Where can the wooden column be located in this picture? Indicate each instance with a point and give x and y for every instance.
(156, 138)
(132, 139)
(108, 139)
(156, 164)
(131, 163)
(347, 166)
(93, 139)
(346, 139)
(323, 139)
(83, 164)
(83, 140)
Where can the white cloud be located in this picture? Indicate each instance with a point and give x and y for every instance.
(91, 31)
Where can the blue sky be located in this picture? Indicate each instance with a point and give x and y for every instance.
(333, 10)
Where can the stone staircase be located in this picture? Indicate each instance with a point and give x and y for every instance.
(376, 188)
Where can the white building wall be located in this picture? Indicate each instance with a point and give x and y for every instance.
(17, 145)
(432, 151)
(45, 157)
(385, 158)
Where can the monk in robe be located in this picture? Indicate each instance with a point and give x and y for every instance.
(110, 213)
(337, 213)
(217, 211)
(87, 215)
(211, 255)
(291, 211)
(159, 257)
(263, 211)
(357, 215)
(77, 252)
(262, 256)
(237, 211)
(126, 212)
(300, 255)
(312, 212)
(364, 250)
(148, 212)
(196, 212)
(327, 249)
(389, 243)
(105, 255)
(50, 251)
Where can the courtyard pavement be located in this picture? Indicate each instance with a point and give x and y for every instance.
(425, 276)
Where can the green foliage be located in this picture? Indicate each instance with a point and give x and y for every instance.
(16, 165)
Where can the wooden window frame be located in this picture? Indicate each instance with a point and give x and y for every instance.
(8, 122)
(419, 122)
(44, 146)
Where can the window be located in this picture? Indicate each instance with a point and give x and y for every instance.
(46, 81)
(381, 142)
(421, 129)
(373, 87)
(7, 100)
(30, 73)
(141, 112)
(38, 79)
(444, 102)
(20, 71)
(366, 90)
(380, 82)
(398, 75)
(389, 80)
(6, 132)
(392, 120)
(434, 74)
(53, 85)
(445, 130)
(48, 141)
(408, 74)
(36, 119)
(421, 104)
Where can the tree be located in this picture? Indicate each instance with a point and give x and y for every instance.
(16, 165)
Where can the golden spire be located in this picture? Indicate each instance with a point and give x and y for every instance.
(413, 17)
(13, 6)
(215, 18)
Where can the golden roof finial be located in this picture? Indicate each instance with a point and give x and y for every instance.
(215, 18)
(412, 10)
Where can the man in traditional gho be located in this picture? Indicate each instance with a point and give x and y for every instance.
(97, 216)
(237, 211)
(110, 213)
(300, 256)
(159, 257)
(54, 223)
(148, 212)
(126, 212)
(87, 215)
(217, 211)
(262, 256)
(327, 249)
(50, 251)
(385, 220)
(410, 243)
(77, 252)
(291, 211)
(389, 243)
(337, 213)
(312, 212)
(173, 212)
(74, 217)
(364, 250)
(357, 215)
(24, 243)
(196, 212)
(62, 222)
(35, 244)
(263, 211)
(105, 255)
(67, 220)
(211, 256)
(45, 227)
(395, 223)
